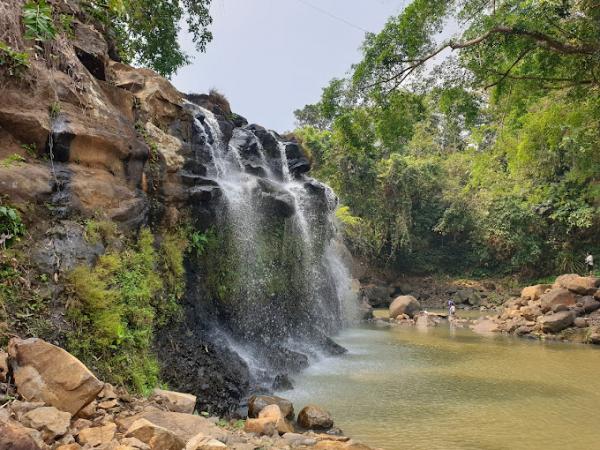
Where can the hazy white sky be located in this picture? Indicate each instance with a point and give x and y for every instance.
(270, 57)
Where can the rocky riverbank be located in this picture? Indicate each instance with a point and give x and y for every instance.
(50, 401)
(568, 309)
(380, 290)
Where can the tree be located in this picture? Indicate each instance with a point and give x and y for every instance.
(554, 42)
(146, 31)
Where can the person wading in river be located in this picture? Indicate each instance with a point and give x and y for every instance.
(589, 263)
(451, 308)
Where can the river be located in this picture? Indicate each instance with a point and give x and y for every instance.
(443, 388)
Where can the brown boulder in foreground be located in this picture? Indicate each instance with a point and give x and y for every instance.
(258, 402)
(176, 401)
(314, 417)
(405, 304)
(156, 437)
(49, 374)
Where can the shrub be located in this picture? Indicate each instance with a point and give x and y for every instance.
(220, 100)
(100, 231)
(11, 226)
(116, 306)
(38, 21)
(14, 62)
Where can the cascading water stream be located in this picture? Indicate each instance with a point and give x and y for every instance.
(288, 292)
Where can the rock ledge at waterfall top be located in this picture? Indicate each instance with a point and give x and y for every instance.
(115, 420)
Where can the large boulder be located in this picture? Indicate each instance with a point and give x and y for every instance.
(176, 401)
(534, 292)
(49, 374)
(578, 284)
(274, 413)
(270, 419)
(405, 304)
(258, 402)
(554, 323)
(313, 417)
(156, 437)
(557, 296)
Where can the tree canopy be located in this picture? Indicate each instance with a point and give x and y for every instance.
(146, 31)
(479, 151)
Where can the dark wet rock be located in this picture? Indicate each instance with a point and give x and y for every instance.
(297, 160)
(208, 369)
(279, 204)
(282, 382)
(268, 141)
(205, 194)
(65, 247)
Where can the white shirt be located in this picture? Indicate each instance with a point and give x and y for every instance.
(589, 259)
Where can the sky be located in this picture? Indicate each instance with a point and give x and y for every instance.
(271, 57)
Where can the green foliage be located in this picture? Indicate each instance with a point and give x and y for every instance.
(11, 226)
(116, 305)
(198, 242)
(38, 20)
(100, 232)
(489, 163)
(12, 160)
(147, 31)
(14, 62)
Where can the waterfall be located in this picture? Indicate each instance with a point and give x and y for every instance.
(282, 290)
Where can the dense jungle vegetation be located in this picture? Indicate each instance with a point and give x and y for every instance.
(478, 153)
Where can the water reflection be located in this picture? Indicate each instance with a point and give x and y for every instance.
(451, 389)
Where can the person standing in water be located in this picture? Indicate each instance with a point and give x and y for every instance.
(451, 308)
(589, 263)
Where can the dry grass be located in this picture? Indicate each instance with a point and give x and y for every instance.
(220, 100)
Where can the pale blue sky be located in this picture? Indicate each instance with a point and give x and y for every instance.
(270, 57)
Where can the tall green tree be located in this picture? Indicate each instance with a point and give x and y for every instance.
(147, 31)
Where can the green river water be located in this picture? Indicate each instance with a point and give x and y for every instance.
(444, 388)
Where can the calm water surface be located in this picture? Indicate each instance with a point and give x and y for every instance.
(443, 388)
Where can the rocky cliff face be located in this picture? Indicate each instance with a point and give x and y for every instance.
(84, 137)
